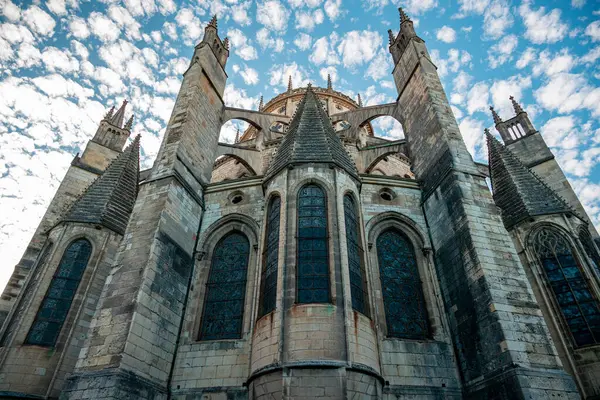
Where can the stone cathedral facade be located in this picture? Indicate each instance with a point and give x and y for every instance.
(309, 259)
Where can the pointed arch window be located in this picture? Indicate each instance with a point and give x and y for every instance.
(404, 305)
(268, 284)
(226, 289)
(571, 290)
(313, 257)
(358, 283)
(590, 248)
(57, 302)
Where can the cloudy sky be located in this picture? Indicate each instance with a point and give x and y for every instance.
(63, 63)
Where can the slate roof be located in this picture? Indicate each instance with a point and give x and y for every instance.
(518, 191)
(310, 139)
(109, 200)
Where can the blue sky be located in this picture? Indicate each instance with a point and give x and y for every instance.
(63, 63)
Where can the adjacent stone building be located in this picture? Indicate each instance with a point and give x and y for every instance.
(309, 259)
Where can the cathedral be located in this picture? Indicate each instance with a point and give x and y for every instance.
(310, 259)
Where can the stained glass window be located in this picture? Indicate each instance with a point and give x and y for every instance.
(226, 289)
(404, 305)
(590, 249)
(56, 304)
(268, 285)
(313, 258)
(571, 290)
(358, 284)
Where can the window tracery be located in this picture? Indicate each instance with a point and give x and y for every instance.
(313, 258)
(571, 290)
(590, 249)
(57, 302)
(226, 289)
(358, 284)
(268, 286)
(404, 304)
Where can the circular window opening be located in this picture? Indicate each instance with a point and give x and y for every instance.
(237, 198)
(387, 194)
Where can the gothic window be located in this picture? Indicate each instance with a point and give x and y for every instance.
(578, 305)
(55, 306)
(590, 249)
(404, 305)
(313, 259)
(358, 284)
(226, 289)
(268, 284)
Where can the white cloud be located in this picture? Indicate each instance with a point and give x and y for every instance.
(240, 13)
(542, 27)
(39, 21)
(125, 20)
(551, 64)
(323, 50)
(456, 59)
(331, 71)
(190, 25)
(238, 98)
(241, 45)
(303, 41)
(577, 3)
(526, 58)
(59, 7)
(380, 66)
(561, 132)
(417, 7)
(264, 39)
(250, 76)
(502, 51)
(308, 3)
(279, 75)
(446, 34)
(473, 6)
(15, 33)
(478, 98)
(272, 14)
(593, 31)
(10, 10)
(101, 26)
(333, 9)
(358, 47)
(565, 93)
(79, 28)
(501, 91)
(497, 18)
(387, 127)
(472, 133)
(59, 60)
(308, 20)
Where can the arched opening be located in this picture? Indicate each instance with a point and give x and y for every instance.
(232, 129)
(384, 127)
(230, 167)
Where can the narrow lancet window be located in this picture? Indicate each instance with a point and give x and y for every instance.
(226, 289)
(268, 284)
(577, 302)
(313, 258)
(590, 248)
(404, 305)
(55, 306)
(358, 284)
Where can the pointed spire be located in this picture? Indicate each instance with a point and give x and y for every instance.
(109, 200)
(310, 138)
(237, 136)
(517, 190)
(359, 101)
(129, 123)
(117, 119)
(260, 104)
(329, 85)
(391, 37)
(497, 118)
(226, 43)
(109, 114)
(403, 16)
(516, 106)
(213, 21)
(289, 83)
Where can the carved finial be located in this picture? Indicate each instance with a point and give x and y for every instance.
(403, 16)
(213, 21)
(329, 86)
(391, 37)
(129, 123)
(237, 136)
(110, 112)
(359, 101)
(260, 103)
(516, 106)
(497, 118)
(309, 86)
(289, 83)
(226, 43)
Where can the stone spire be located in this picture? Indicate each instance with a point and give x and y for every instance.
(237, 136)
(129, 123)
(289, 83)
(260, 104)
(359, 101)
(329, 85)
(109, 200)
(213, 21)
(497, 118)
(391, 37)
(516, 106)
(117, 119)
(110, 113)
(310, 139)
(226, 43)
(403, 16)
(517, 190)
